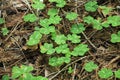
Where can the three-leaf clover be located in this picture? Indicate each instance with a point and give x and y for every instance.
(5, 31)
(105, 73)
(52, 12)
(90, 66)
(71, 15)
(47, 30)
(74, 38)
(2, 21)
(117, 74)
(115, 37)
(47, 48)
(55, 19)
(88, 19)
(77, 28)
(62, 49)
(38, 4)
(30, 18)
(91, 6)
(80, 50)
(45, 22)
(60, 39)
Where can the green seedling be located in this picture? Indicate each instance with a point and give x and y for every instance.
(60, 39)
(2, 21)
(30, 18)
(91, 6)
(37, 4)
(77, 28)
(74, 38)
(90, 66)
(47, 48)
(62, 49)
(70, 70)
(54, 61)
(117, 74)
(80, 50)
(5, 31)
(115, 37)
(105, 73)
(71, 15)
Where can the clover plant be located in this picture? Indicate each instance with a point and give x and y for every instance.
(105, 73)
(60, 39)
(91, 6)
(117, 73)
(115, 37)
(5, 77)
(90, 66)
(47, 48)
(71, 15)
(2, 21)
(52, 12)
(70, 70)
(30, 18)
(74, 38)
(5, 31)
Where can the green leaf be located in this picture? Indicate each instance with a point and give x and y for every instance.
(38, 5)
(105, 24)
(55, 19)
(26, 69)
(115, 37)
(5, 31)
(91, 6)
(77, 29)
(90, 66)
(34, 38)
(5, 77)
(2, 21)
(80, 50)
(60, 39)
(74, 38)
(97, 25)
(105, 73)
(40, 78)
(47, 48)
(30, 18)
(62, 49)
(117, 74)
(61, 3)
(70, 70)
(52, 12)
(88, 19)
(16, 72)
(45, 22)
(114, 20)
(47, 30)
(71, 15)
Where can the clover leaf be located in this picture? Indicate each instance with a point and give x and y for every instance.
(30, 18)
(38, 4)
(90, 66)
(44, 22)
(117, 74)
(97, 25)
(62, 49)
(34, 38)
(52, 12)
(74, 38)
(5, 77)
(88, 19)
(2, 21)
(55, 19)
(115, 37)
(80, 50)
(47, 48)
(47, 30)
(91, 6)
(60, 39)
(5, 31)
(114, 20)
(77, 28)
(71, 15)
(105, 73)
(70, 70)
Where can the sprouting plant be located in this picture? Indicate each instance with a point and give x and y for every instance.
(30, 18)
(5, 31)
(91, 6)
(24, 73)
(47, 48)
(77, 28)
(60, 39)
(34, 38)
(37, 4)
(105, 10)
(63, 48)
(2, 21)
(70, 70)
(54, 61)
(115, 37)
(71, 15)
(80, 50)
(90, 66)
(74, 38)
(105, 73)
(117, 74)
